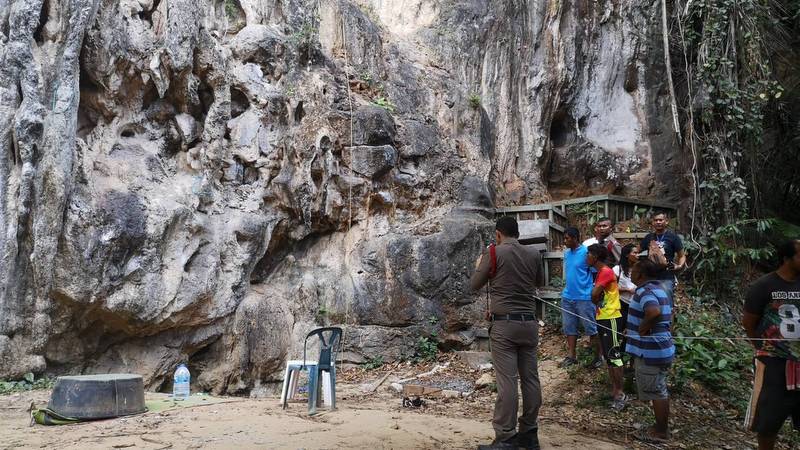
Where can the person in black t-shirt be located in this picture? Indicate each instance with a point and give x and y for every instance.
(672, 246)
(772, 311)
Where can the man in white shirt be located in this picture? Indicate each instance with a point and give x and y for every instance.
(604, 235)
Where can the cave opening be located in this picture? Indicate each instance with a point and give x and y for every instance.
(562, 129)
(239, 102)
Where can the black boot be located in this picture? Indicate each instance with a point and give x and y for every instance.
(529, 440)
(508, 444)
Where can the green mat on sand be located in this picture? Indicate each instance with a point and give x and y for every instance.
(154, 403)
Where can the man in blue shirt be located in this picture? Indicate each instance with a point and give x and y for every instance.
(576, 298)
(649, 341)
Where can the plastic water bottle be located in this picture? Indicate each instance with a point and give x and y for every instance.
(180, 386)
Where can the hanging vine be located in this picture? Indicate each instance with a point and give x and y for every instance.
(731, 76)
(733, 97)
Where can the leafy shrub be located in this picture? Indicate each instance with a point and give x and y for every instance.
(474, 101)
(231, 9)
(718, 364)
(27, 383)
(384, 103)
(426, 348)
(374, 362)
(724, 256)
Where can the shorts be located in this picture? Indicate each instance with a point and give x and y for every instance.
(651, 381)
(583, 312)
(771, 404)
(610, 333)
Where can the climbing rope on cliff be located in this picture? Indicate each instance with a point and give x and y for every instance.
(350, 183)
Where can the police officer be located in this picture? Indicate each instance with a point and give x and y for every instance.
(514, 334)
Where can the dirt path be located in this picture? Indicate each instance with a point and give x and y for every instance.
(370, 422)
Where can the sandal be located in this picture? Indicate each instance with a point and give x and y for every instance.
(619, 404)
(647, 435)
(568, 361)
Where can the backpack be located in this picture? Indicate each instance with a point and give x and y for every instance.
(656, 254)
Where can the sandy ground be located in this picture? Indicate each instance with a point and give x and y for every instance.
(374, 421)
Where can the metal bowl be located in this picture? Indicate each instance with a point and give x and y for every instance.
(98, 396)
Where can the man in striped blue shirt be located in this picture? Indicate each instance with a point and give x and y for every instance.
(649, 341)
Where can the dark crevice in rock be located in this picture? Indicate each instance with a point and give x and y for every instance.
(562, 129)
(279, 246)
(325, 146)
(251, 175)
(131, 130)
(243, 238)
(4, 25)
(38, 35)
(299, 113)
(150, 95)
(487, 135)
(147, 14)
(86, 122)
(206, 94)
(239, 102)
(631, 77)
(198, 361)
(187, 266)
(317, 172)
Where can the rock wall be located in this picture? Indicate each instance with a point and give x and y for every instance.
(208, 180)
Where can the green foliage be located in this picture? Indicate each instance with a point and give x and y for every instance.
(723, 256)
(640, 212)
(27, 383)
(323, 314)
(426, 348)
(729, 70)
(305, 35)
(384, 103)
(718, 364)
(231, 9)
(590, 211)
(556, 282)
(433, 320)
(474, 101)
(305, 40)
(366, 77)
(374, 362)
(786, 230)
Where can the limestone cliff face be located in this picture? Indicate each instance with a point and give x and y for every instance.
(208, 180)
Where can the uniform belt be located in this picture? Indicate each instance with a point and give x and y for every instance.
(522, 317)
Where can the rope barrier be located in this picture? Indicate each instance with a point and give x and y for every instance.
(661, 338)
